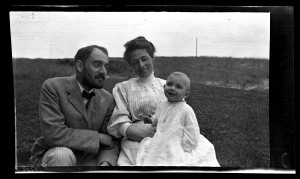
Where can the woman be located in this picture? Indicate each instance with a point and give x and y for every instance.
(135, 98)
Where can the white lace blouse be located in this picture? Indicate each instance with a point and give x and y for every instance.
(134, 98)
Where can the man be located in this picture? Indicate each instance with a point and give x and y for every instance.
(74, 112)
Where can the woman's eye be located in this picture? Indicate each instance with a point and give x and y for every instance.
(133, 62)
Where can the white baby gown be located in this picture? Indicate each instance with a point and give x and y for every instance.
(177, 141)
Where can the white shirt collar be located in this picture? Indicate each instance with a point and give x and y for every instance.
(81, 88)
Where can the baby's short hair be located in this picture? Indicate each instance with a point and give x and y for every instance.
(185, 77)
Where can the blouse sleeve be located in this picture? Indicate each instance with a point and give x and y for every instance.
(191, 131)
(121, 118)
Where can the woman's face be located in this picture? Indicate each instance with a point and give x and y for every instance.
(141, 62)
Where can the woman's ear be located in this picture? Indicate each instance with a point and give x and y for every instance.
(152, 59)
(79, 65)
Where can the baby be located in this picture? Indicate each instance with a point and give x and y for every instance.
(177, 141)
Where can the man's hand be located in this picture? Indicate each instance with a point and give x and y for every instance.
(147, 119)
(105, 164)
(106, 140)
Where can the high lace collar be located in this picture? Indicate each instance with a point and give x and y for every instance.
(147, 79)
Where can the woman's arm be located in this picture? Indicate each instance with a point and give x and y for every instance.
(120, 123)
(121, 115)
(137, 134)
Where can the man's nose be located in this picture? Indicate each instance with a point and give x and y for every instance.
(103, 70)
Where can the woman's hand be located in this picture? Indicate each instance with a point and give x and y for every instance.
(150, 132)
(147, 119)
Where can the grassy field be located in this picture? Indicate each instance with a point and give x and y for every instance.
(235, 120)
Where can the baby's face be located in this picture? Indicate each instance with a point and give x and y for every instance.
(176, 88)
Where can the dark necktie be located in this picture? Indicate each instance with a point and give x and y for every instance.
(87, 95)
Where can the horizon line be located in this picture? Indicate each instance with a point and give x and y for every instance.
(263, 58)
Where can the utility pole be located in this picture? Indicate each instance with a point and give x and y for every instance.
(196, 45)
(51, 49)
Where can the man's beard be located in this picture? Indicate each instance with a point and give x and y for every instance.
(90, 81)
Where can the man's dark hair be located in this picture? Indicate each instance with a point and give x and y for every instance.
(84, 53)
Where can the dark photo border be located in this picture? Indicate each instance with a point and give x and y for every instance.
(281, 91)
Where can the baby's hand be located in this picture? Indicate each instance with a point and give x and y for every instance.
(147, 119)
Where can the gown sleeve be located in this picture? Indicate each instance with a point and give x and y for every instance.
(121, 118)
(191, 131)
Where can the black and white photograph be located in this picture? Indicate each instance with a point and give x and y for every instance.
(146, 91)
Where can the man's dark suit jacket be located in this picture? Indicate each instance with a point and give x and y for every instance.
(65, 122)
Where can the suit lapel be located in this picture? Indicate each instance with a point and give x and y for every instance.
(94, 105)
(75, 98)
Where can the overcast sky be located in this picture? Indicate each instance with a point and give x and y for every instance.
(61, 34)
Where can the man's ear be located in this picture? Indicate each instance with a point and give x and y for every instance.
(79, 65)
(187, 94)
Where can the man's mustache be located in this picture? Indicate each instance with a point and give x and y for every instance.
(102, 76)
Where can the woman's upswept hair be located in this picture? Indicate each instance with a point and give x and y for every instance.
(138, 43)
